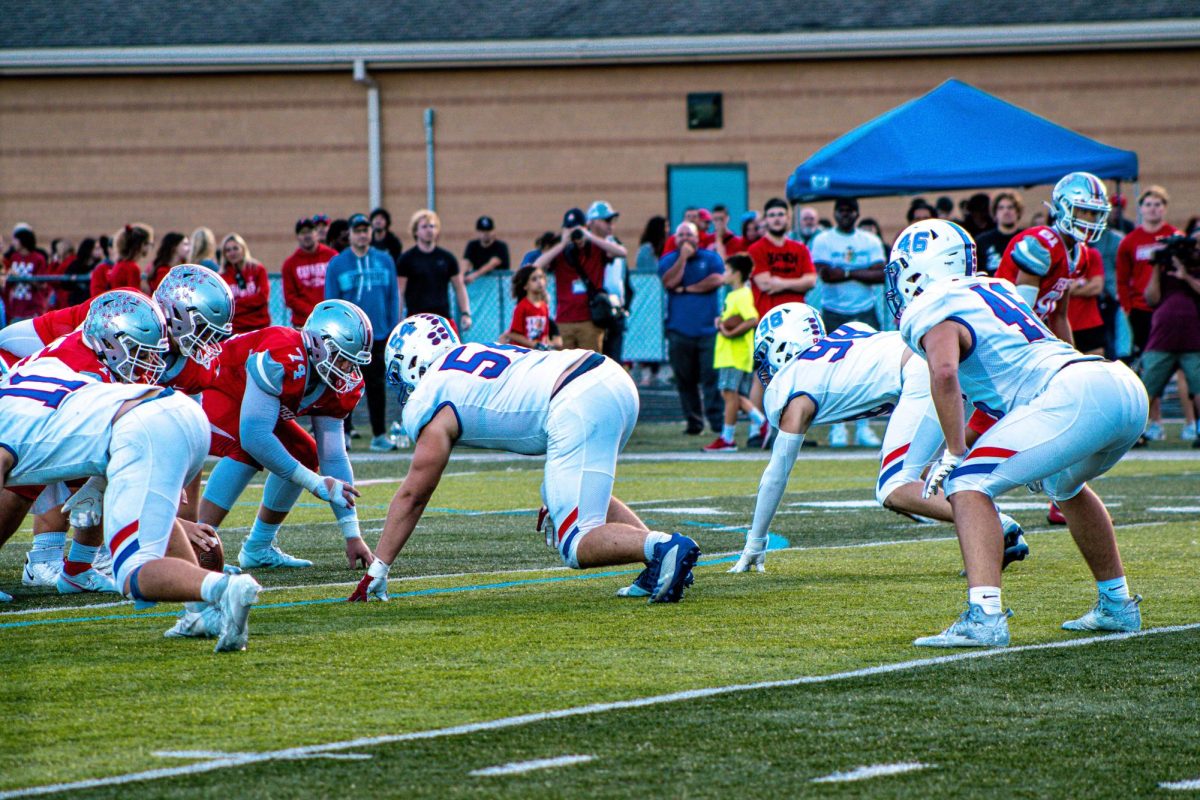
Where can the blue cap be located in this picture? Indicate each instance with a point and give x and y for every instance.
(573, 218)
(601, 210)
(357, 220)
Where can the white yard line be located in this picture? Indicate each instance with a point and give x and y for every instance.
(873, 771)
(1183, 786)
(308, 751)
(518, 767)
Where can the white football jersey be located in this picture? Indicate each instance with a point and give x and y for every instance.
(58, 423)
(500, 393)
(853, 373)
(1013, 354)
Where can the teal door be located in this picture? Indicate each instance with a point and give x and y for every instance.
(704, 186)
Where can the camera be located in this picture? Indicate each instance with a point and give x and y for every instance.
(1181, 247)
(577, 235)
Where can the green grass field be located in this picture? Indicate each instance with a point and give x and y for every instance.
(491, 653)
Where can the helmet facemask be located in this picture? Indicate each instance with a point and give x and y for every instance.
(197, 338)
(139, 363)
(341, 371)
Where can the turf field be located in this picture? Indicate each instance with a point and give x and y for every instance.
(494, 672)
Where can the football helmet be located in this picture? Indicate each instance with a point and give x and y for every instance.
(1075, 193)
(128, 332)
(414, 345)
(338, 338)
(926, 251)
(198, 307)
(785, 332)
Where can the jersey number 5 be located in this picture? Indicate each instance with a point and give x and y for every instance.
(482, 363)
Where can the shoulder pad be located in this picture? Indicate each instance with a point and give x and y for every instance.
(1032, 256)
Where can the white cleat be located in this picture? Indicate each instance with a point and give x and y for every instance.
(102, 563)
(87, 581)
(239, 595)
(204, 624)
(41, 573)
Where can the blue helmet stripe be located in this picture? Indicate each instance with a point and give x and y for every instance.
(970, 246)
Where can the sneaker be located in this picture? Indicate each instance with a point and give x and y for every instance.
(838, 436)
(234, 607)
(1154, 432)
(353, 433)
(87, 581)
(250, 557)
(39, 571)
(1103, 617)
(204, 624)
(102, 563)
(865, 437)
(643, 584)
(382, 444)
(1188, 432)
(672, 563)
(972, 629)
(1055, 516)
(719, 445)
(1015, 548)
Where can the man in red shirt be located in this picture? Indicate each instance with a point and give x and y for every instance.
(577, 261)
(304, 272)
(1133, 263)
(783, 268)
(725, 241)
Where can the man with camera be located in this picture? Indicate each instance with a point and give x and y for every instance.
(577, 262)
(1173, 291)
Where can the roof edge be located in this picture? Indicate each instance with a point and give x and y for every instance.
(429, 55)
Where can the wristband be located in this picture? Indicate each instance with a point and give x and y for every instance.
(349, 527)
(379, 568)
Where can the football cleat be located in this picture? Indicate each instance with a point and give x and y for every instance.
(973, 628)
(865, 437)
(102, 563)
(382, 444)
(838, 436)
(672, 563)
(1105, 617)
(252, 557)
(234, 606)
(1055, 516)
(719, 445)
(42, 568)
(204, 624)
(1015, 548)
(87, 581)
(643, 584)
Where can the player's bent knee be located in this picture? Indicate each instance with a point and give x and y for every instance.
(568, 548)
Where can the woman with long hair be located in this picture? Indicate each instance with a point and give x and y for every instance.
(248, 281)
(24, 299)
(87, 257)
(650, 246)
(204, 249)
(175, 249)
(134, 243)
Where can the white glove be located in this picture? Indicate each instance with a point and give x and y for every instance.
(338, 494)
(940, 471)
(373, 585)
(753, 555)
(85, 508)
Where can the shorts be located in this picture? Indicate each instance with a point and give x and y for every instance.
(589, 422)
(913, 436)
(732, 379)
(1086, 419)
(224, 418)
(1089, 340)
(1157, 366)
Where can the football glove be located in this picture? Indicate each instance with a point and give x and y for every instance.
(85, 508)
(940, 471)
(373, 585)
(753, 556)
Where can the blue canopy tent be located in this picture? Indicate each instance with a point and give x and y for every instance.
(955, 137)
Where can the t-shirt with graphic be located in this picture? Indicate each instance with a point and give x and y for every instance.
(532, 320)
(850, 251)
(789, 260)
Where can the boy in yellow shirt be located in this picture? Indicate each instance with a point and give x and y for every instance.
(733, 355)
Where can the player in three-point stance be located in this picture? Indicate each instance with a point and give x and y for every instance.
(1064, 418)
(854, 372)
(576, 407)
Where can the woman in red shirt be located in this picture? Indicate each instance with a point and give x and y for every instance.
(174, 250)
(24, 300)
(248, 280)
(134, 243)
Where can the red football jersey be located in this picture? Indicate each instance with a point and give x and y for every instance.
(1057, 280)
(54, 324)
(77, 356)
(285, 346)
(191, 377)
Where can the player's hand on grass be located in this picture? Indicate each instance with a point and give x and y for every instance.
(85, 508)
(940, 471)
(337, 493)
(373, 585)
(753, 556)
(357, 551)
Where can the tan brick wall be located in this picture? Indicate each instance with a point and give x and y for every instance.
(253, 152)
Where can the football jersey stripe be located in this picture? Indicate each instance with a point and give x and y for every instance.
(990, 452)
(899, 451)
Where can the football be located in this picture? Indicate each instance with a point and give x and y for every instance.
(732, 322)
(212, 559)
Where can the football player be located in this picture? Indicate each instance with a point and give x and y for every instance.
(576, 407)
(61, 424)
(855, 372)
(266, 380)
(1064, 418)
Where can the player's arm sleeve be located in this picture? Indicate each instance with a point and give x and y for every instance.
(331, 449)
(773, 482)
(260, 414)
(21, 339)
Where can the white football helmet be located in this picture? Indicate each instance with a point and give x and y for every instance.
(785, 332)
(128, 332)
(1075, 193)
(198, 306)
(337, 336)
(412, 348)
(926, 251)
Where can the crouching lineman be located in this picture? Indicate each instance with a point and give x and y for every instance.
(148, 442)
(267, 378)
(855, 372)
(576, 407)
(1064, 418)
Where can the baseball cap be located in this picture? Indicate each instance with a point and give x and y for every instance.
(846, 202)
(485, 224)
(705, 214)
(601, 210)
(320, 219)
(574, 218)
(359, 221)
(304, 222)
